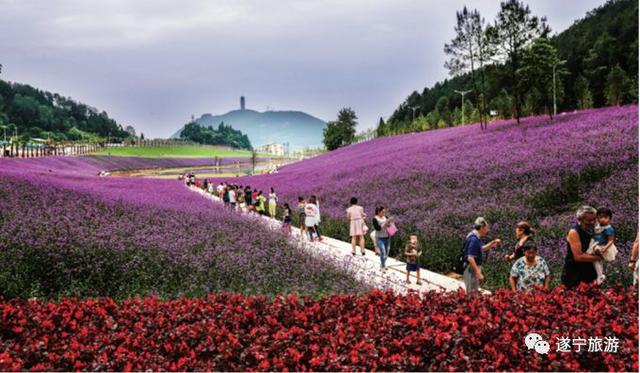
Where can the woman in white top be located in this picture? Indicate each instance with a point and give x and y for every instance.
(273, 203)
(357, 230)
(380, 222)
(232, 197)
(311, 217)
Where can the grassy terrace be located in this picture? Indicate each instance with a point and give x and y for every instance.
(175, 151)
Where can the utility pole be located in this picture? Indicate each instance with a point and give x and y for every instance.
(462, 93)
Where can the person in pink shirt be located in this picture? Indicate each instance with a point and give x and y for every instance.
(358, 229)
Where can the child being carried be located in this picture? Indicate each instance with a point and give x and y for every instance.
(602, 242)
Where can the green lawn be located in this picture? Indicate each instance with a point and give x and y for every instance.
(178, 151)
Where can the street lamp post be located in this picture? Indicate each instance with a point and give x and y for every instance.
(4, 143)
(15, 135)
(414, 108)
(554, 84)
(462, 93)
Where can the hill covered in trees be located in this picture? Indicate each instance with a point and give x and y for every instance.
(223, 135)
(34, 113)
(595, 63)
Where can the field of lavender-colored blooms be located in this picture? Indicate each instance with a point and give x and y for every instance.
(66, 232)
(113, 163)
(435, 183)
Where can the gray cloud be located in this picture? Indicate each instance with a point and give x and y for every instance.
(152, 64)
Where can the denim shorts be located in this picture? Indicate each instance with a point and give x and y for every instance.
(413, 267)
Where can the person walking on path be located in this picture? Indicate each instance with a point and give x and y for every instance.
(247, 198)
(286, 219)
(254, 199)
(578, 265)
(311, 218)
(302, 216)
(529, 270)
(316, 227)
(262, 202)
(220, 190)
(473, 249)
(232, 197)
(242, 206)
(273, 203)
(358, 228)
(380, 222)
(225, 194)
(523, 234)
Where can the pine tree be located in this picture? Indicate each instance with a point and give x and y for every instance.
(584, 99)
(514, 30)
(617, 86)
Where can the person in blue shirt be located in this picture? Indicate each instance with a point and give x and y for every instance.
(473, 248)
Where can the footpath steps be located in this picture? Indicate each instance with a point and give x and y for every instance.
(364, 267)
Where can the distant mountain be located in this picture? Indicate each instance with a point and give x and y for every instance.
(295, 127)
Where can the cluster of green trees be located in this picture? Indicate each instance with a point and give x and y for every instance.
(33, 113)
(507, 69)
(224, 135)
(342, 131)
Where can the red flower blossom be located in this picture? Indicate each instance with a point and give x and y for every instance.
(378, 331)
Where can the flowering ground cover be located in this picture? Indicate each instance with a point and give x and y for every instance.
(87, 247)
(112, 163)
(378, 331)
(435, 183)
(65, 231)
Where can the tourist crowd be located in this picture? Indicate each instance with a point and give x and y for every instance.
(590, 241)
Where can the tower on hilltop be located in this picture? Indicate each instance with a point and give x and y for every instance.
(241, 102)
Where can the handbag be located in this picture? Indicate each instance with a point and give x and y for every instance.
(365, 229)
(392, 229)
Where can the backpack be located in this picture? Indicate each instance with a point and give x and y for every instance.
(461, 262)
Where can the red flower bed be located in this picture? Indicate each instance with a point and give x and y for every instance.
(379, 331)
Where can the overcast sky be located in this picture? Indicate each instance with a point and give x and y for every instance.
(154, 63)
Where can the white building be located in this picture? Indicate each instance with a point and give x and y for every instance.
(274, 149)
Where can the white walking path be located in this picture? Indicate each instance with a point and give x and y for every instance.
(365, 268)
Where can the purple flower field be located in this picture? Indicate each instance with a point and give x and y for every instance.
(435, 183)
(64, 231)
(113, 163)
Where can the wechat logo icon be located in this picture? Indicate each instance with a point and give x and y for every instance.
(535, 342)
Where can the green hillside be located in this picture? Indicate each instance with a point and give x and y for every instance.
(601, 53)
(34, 113)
